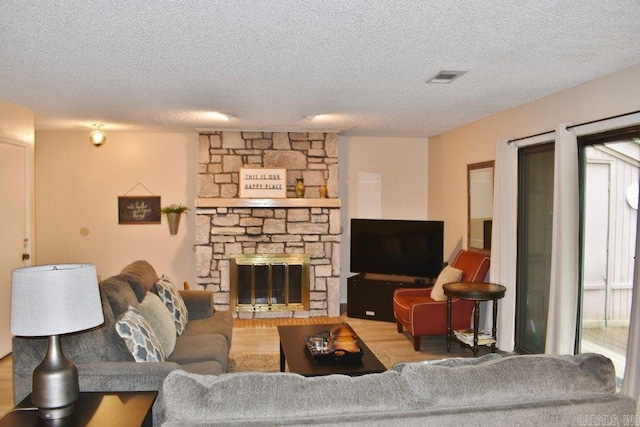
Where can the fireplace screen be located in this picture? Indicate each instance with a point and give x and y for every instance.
(269, 282)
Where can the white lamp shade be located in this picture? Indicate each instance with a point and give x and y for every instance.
(55, 299)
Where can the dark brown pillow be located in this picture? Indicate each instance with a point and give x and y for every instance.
(119, 294)
(141, 277)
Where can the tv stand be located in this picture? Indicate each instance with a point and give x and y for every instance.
(389, 278)
(370, 295)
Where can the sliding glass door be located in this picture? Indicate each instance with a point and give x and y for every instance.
(609, 177)
(535, 219)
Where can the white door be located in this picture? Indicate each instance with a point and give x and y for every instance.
(13, 227)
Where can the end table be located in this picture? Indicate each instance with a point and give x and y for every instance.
(474, 291)
(120, 409)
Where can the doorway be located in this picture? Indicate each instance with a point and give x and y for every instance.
(14, 233)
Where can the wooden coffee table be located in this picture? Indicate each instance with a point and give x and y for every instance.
(294, 352)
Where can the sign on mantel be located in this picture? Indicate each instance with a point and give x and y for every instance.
(263, 183)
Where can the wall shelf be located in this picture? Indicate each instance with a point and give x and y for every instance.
(204, 203)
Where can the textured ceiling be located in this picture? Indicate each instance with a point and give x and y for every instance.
(161, 65)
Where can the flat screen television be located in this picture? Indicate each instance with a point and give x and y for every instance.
(397, 247)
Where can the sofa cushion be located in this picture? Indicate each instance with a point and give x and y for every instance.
(447, 275)
(210, 367)
(155, 312)
(200, 348)
(199, 303)
(451, 361)
(119, 294)
(99, 344)
(139, 336)
(141, 277)
(276, 398)
(171, 298)
(516, 379)
(221, 322)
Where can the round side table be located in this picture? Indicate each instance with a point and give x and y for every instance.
(473, 291)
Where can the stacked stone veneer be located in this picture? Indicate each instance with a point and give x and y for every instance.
(224, 231)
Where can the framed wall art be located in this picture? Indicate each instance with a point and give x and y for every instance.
(139, 210)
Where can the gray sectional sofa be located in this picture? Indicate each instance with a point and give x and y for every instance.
(103, 359)
(516, 390)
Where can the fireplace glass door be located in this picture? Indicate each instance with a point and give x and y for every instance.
(269, 282)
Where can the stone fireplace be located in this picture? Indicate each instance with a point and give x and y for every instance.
(231, 229)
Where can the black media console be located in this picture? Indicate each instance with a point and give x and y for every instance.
(370, 296)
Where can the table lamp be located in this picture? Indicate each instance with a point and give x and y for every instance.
(51, 300)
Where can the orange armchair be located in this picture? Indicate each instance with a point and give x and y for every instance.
(415, 310)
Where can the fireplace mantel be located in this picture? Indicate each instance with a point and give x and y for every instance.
(266, 203)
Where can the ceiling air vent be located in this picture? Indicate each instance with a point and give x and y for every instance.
(445, 76)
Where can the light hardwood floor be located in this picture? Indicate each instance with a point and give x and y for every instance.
(261, 337)
(6, 389)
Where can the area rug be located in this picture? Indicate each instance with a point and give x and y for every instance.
(271, 362)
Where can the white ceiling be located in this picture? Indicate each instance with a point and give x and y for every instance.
(160, 65)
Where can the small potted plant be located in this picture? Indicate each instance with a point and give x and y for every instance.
(174, 212)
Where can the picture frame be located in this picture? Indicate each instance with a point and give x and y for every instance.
(139, 210)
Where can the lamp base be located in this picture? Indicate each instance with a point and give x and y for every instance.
(55, 383)
(55, 413)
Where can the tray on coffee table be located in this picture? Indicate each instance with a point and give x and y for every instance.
(327, 356)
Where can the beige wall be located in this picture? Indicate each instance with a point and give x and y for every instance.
(449, 153)
(17, 126)
(77, 186)
(402, 163)
(16, 123)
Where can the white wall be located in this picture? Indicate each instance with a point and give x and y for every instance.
(402, 164)
(77, 187)
(449, 153)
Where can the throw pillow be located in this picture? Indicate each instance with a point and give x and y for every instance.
(172, 299)
(119, 295)
(447, 275)
(160, 320)
(139, 337)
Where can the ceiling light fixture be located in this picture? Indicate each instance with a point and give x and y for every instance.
(445, 76)
(97, 137)
(319, 117)
(215, 115)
